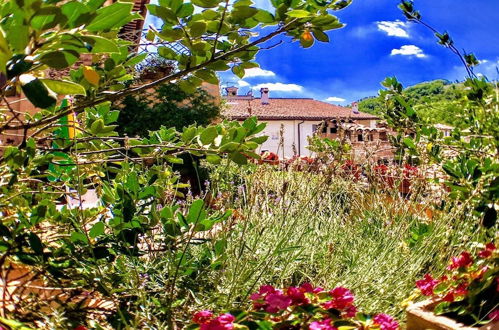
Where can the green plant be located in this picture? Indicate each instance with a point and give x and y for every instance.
(297, 308)
(168, 106)
(469, 290)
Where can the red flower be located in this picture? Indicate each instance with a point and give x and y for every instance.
(297, 296)
(222, 322)
(202, 317)
(386, 322)
(342, 298)
(350, 311)
(449, 297)
(461, 290)
(487, 252)
(427, 284)
(276, 302)
(463, 260)
(325, 324)
(494, 315)
(80, 327)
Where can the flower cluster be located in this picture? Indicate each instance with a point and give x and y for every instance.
(471, 288)
(304, 307)
(207, 321)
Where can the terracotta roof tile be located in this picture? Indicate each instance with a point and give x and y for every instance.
(289, 108)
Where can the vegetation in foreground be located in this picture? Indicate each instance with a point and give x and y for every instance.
(148, 254)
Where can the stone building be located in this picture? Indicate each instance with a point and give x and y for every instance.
(290, 121)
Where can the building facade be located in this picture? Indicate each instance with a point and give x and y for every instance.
(291, 121)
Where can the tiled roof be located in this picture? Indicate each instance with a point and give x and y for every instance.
(289, 108)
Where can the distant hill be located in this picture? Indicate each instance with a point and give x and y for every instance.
(436, 101)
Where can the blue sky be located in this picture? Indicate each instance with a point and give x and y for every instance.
(378, 42)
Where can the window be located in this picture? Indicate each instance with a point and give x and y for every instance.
(324, 129)
(383, 136)
(370, 137)
(314, 128)
(360, 137)
(333, 130)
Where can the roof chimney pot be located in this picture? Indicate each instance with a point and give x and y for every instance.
(231, 91)
(264, 95)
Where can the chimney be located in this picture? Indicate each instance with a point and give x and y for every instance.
(265, 95)
(355, 108)
(231, 91)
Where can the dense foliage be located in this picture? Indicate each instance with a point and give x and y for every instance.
(469, 290)
(167, 106)
(299, 307)
(84, 211)
(436, 102)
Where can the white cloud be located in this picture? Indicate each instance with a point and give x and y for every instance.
(257, 72)
(394, 28)
(409, 50)
(280, 87)
(242, 83)
(335, 99)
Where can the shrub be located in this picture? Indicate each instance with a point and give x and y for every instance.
(297, 308)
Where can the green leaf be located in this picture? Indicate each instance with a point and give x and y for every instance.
(110, 17)
(319, 35)
(299, 13)
(97, 229)
(135, 60)
(264, 16)
(243, 12)
(238, 158)
(167, 53)
(197, 29)
(174, 160)
(185, 10)
(60, 59)
(73, 11)
(409, 143)
(196, 212)
(46, 18)
(238, 71)
(208, 76)
(101, 45)
(208, 135)
(213, 159)
(36, 92)
(35, 243)
(78, 237)
(206, 3)
(166, 14)
(64, 87)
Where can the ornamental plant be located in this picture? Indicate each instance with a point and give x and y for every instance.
(469, 291)
(303, 307)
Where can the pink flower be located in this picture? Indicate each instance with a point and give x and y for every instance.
(463, 260)
(461, 290)
(308, 288)
(350, 311)
(202, 317)
(386, 322)
(276, 302)
(427, 284)
(449, 297)
(487, 252)
(322, 325)
(259, 297)
(297, 296)
(494, 315)
(342, 298)
(222, 322)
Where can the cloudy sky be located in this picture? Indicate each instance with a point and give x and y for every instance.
(377, 42)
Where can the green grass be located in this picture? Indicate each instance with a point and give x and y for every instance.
(301, 227)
